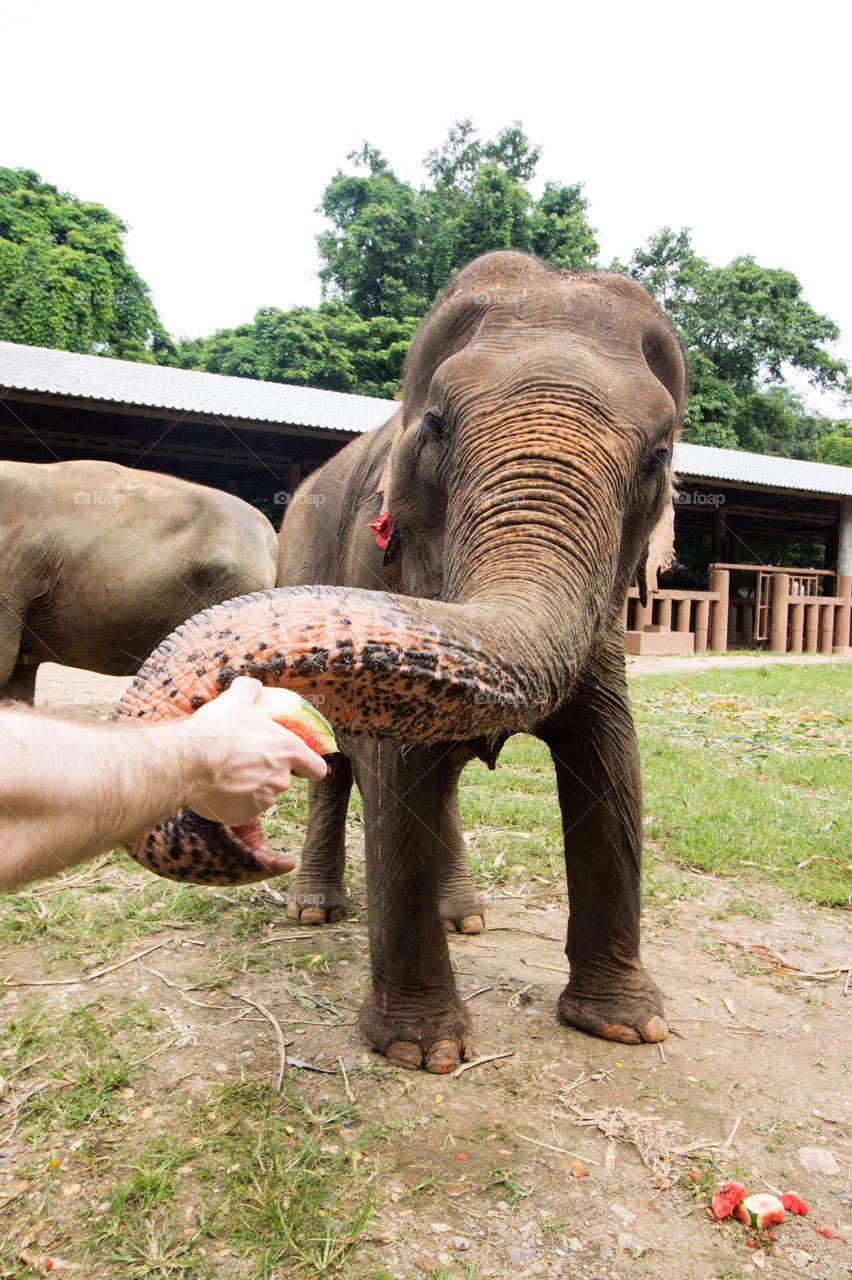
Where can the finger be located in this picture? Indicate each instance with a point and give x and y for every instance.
(300, 758)
(245, 690)
(314, 772)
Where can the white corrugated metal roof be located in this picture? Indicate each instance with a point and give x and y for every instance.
(65, 373)
(700, 462)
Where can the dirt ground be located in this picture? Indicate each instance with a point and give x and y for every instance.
(479, 1169)
(478, 1175)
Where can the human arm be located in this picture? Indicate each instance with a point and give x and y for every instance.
(70, 790)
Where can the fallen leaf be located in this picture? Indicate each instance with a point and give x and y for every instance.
(578, 1169)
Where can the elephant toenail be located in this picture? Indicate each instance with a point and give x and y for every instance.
(405, 1053)
(450, 926)
(313, 915)
(472, 924)
(622, 1034)
(442, 1058)
(655, 1029)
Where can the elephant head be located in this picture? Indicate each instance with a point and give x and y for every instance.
(531, 462)
(533, 456)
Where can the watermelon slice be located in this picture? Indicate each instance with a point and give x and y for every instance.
(760, 1212)
(295, 713)
(726, 1199)
(793, 1203)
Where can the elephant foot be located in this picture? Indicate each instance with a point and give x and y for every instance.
(462, 908)
(438, 1042)
(310, 902)
(631, 1012)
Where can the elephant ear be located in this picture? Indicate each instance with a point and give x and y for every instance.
(659, 552)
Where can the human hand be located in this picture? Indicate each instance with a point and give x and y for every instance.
(248, 758)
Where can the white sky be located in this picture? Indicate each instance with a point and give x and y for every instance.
(212, 129)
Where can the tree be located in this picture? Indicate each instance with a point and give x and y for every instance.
(64, 278)
(330, 347)
(392, 248)
(836, 445)
(742, 325)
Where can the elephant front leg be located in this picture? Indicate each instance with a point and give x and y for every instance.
(316, 895)
(593, 745)
(413, 1014)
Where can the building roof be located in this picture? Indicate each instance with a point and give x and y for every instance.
(700, 462)
(126, 382)
(151, 386)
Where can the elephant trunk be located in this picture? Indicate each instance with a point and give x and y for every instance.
(527, 594)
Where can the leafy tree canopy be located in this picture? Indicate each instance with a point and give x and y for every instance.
(742, 325)
(391, 247)
(64, 279)
(330, 347)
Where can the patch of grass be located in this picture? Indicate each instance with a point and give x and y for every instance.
(292, 1179)
(742, 907)
(751, 767)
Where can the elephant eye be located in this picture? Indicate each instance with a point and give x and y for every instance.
(434, 424)
(659, 458)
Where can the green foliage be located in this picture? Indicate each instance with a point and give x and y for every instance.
(331, 347)
(64, 279)
(836, 445)
(392, 247)
(742, 325)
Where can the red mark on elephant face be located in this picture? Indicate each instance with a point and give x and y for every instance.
(382, 527)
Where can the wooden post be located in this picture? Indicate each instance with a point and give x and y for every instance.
(811, 627)
(702, 616)
(720, 580)
(778, 612)
(826, 627)
(797, 625)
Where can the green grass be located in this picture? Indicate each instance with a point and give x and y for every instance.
(751, 767)
(738, 767)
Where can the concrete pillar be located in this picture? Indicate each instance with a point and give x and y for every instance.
(644, 613)
(797, 626)
(826, 627)
(682, 615)
(778, 612)
(843, 612)
(702, 617)
(664, 614)
(720, 580)
(811, 627)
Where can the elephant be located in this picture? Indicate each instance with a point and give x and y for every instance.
(476, 552)
(99, 562)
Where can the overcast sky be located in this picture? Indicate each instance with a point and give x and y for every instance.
(212, 129)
